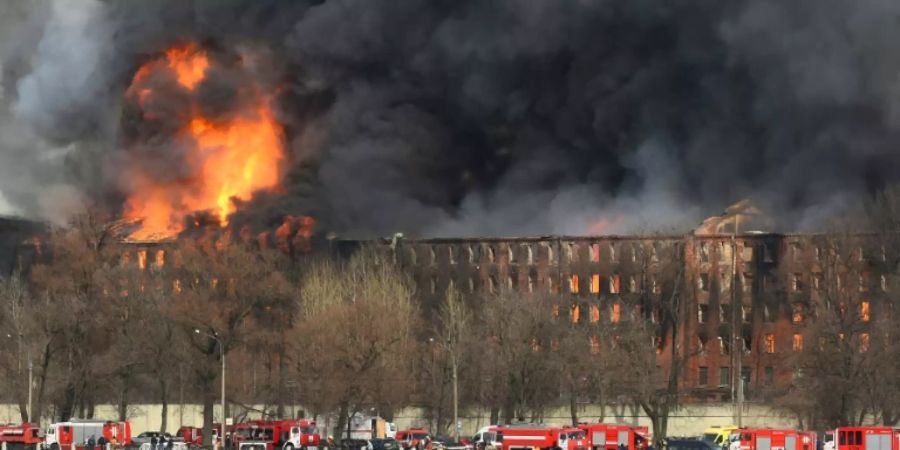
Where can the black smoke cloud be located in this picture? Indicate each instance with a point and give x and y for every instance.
(450, 117)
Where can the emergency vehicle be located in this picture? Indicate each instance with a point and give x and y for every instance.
(21, 437)
(606, 436)
(276, 435)
(414, 438)
(809, 440)
(764, 439)
(369, 427)
(862, 438)
(487, 438)
(194, 435)
(719, 435)
(531, 436)
(73, 435)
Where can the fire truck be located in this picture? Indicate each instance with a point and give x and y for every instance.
(194, 435)
(73, 435)
(531, 436)
(764, 439)
(276, 435)
(25, 436)
(809, 440)
(862, 438)
(605, 436)
(414, 439)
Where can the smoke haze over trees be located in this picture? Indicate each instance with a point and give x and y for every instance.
(465, 117)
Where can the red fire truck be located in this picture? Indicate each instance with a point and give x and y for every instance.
(276, 435)
(809, 440)
(194, 435)
(413, 439)
(21, 437)
(73, 435)
(764, 439)
(605, 436)
(536, 436)
(862, 438)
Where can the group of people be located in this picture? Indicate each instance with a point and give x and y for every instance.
(161, 443)
(92, 443)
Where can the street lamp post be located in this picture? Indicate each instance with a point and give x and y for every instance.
(222, 354)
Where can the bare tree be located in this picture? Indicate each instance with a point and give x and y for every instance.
(355, 329)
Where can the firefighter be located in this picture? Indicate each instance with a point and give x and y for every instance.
(102, 442)
(153, 442)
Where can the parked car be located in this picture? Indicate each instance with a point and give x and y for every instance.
(384, 444)
(448, 443)
(145, 437)
(355, 444)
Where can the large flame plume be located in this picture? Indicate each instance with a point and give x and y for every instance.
(225, 160)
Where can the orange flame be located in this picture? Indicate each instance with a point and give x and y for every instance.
(226, 160)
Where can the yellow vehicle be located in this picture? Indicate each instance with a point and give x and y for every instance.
(718, 435)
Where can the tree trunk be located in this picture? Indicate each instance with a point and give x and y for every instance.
(123, 402)
(342, 420)
(495, 415)
(42, 384)
(573, 404)
(208, 402)
(164, 401)
(279, 409)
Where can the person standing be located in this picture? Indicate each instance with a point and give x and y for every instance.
(153, 442)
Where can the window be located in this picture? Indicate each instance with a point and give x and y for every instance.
(817, 281)
(747, 252)
(531, 282)
(573, 284)
(575, 313)
(510, 282)
(745, 314)
(471, 254)
(549, 281)
(451, 284)
(767, 253)
(724, 376)
(614, 284)
(745, 374)
(654, 286)
(632, 285)
(817, 253)
(451, 254)
(723, 314)
(551, 257)
(412, 256)
(797, 315)
(491, 254)
(432, 255)
(142, 259)
(864, 282)
(767, 316)
(570, 252)
(864, 312)
(654, 252)
(796, 282)
(471, 284)
(770, 343)
(797, 343)
(768, 375)
(492, 284)
(724, 348)
(161, 259)
(701, 344)
(702, 313)
(724, 251)
(613, 257)
(703, 251)
(747, 282)
(433, 285)
(863, 342)
(796, 251)
(555, 311)
(616, 313)
(634, 253)
(703, 376)
(595, 283)
(703, 282)
(859, 254)
(529, 254)
(595, 253)
(511, 254)
(884, 286)
(595, 344)
(595, 313)
(724, 281)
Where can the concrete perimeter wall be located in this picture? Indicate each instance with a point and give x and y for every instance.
(687, 421)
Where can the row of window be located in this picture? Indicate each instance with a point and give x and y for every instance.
(159, 258)
(798, 313)
(769, 343)
(594, 313)
(529, 253)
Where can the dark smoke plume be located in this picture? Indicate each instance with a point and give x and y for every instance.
(448, 117)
